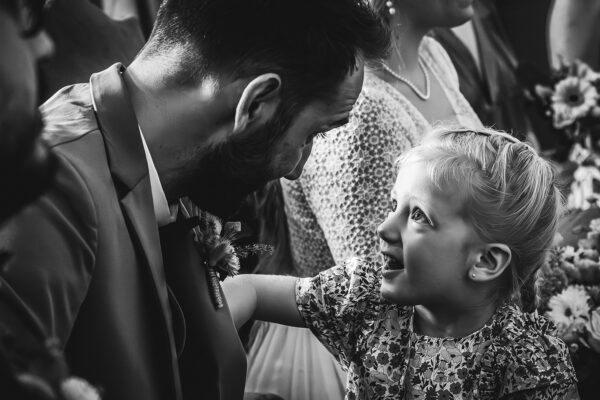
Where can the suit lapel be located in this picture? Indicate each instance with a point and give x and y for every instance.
(128, 166)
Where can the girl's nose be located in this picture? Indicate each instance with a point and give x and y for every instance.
(389, 230)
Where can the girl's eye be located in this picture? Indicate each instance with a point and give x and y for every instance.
(322, 135)
(419, 216)
(394, 205)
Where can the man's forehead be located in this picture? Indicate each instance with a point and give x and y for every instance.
(350, 86)
(344, 97)
(354, 80)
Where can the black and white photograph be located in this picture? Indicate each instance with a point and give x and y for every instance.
(299, 199)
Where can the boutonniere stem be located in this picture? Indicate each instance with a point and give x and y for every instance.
(213, 241)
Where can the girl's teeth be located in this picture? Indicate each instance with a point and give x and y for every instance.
(392, 263)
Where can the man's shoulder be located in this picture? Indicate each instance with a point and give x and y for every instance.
(68, 115)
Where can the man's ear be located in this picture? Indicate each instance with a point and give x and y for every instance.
(491, 263)
(259, 101)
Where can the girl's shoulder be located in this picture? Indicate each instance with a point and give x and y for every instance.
(353, 286)
(356, 277)
(526, 354)
(350, 291)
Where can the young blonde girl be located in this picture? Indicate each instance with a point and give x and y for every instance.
(440, 316)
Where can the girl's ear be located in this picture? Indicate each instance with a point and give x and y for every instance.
(493, 261)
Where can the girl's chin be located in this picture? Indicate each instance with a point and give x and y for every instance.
(394, 293)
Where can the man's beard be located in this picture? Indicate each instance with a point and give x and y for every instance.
(234, 169)
(26, 165)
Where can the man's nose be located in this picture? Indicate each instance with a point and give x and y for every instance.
(295, 174)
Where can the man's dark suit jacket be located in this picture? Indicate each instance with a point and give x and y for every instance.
(87, 261)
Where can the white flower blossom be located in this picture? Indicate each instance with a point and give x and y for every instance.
(595, 225)
(573, 98)
(569, 252)
(570, 307)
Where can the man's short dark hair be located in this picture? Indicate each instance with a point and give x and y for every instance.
(311, 44)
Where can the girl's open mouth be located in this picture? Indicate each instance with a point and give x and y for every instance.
(391, 263)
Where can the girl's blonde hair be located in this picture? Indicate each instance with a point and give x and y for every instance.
(510, 196)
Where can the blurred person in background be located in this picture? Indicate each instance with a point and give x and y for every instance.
(487, 70)
(143, 10)
(526, 28)
(26, 165)
(574, 32)
(86, 40)
(31, 365)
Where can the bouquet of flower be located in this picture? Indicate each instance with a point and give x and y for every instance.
(569, 291)
(572, 101)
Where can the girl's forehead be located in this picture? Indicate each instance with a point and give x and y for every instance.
(414, 181)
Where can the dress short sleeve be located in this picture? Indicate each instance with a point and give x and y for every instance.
(336, 304)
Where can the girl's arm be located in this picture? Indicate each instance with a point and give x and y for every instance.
(264, 297)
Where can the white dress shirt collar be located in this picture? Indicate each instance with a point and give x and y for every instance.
(161, 206)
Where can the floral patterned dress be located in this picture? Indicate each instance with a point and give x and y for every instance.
(514, 356)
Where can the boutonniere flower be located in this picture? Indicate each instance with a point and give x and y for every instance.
(214, 241)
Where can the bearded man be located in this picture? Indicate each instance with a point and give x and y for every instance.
(224, 97)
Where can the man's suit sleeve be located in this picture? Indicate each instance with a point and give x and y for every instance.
(52, 246)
